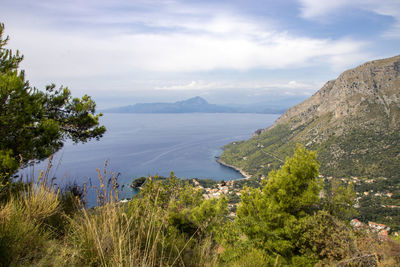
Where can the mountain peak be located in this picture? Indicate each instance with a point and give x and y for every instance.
(195, 104)
(197, 100)
(372, 84)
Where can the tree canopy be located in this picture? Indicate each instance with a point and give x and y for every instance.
(270, 217)
(34, 124)
(294, 220)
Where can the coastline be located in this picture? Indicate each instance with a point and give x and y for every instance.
(242, 172)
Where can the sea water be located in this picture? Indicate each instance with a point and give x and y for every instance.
(138, 145)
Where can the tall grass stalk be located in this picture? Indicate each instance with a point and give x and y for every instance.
(40, 200)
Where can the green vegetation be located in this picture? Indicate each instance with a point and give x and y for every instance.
(169, 223)
(277, 221)
(362, 153)
(270, 217)
(356, 153)
(289, 219)
(262, 153)
(286, 223)
(379, 201)
(207, 182)
(370, 153)
(137, 183)
(34, 124)
(270, 147)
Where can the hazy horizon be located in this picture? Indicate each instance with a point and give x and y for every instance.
(126, 52)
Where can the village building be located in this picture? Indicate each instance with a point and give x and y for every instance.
(377, 227)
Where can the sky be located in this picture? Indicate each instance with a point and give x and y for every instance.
(228, 51)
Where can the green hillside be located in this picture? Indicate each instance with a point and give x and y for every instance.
(352, 123)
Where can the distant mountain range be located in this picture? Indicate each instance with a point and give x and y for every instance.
(195, 105)
(352, 122)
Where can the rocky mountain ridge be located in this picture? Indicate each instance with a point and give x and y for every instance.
(375, 82)
(353, 123)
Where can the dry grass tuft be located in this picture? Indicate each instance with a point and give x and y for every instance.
(39, 200)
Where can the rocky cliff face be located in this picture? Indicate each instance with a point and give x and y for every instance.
(373, 86)
(353, 122)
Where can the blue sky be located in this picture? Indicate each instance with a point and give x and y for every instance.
(229, 51)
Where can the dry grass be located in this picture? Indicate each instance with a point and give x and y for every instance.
(154, 229)
(35, 229)
(23, 235)
(137, 234)
(40, 200)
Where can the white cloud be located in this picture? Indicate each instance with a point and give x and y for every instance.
(67, 54)
(193, 85)
(321, 9)
(289, 87)
(82, 39)
(317, 8)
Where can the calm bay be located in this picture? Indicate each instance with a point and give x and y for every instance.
(138, 145)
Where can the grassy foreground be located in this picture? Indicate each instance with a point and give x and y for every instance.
(166, 225)
(286, 223)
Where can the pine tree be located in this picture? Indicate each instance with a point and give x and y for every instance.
(271, 218)
(34, 124)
